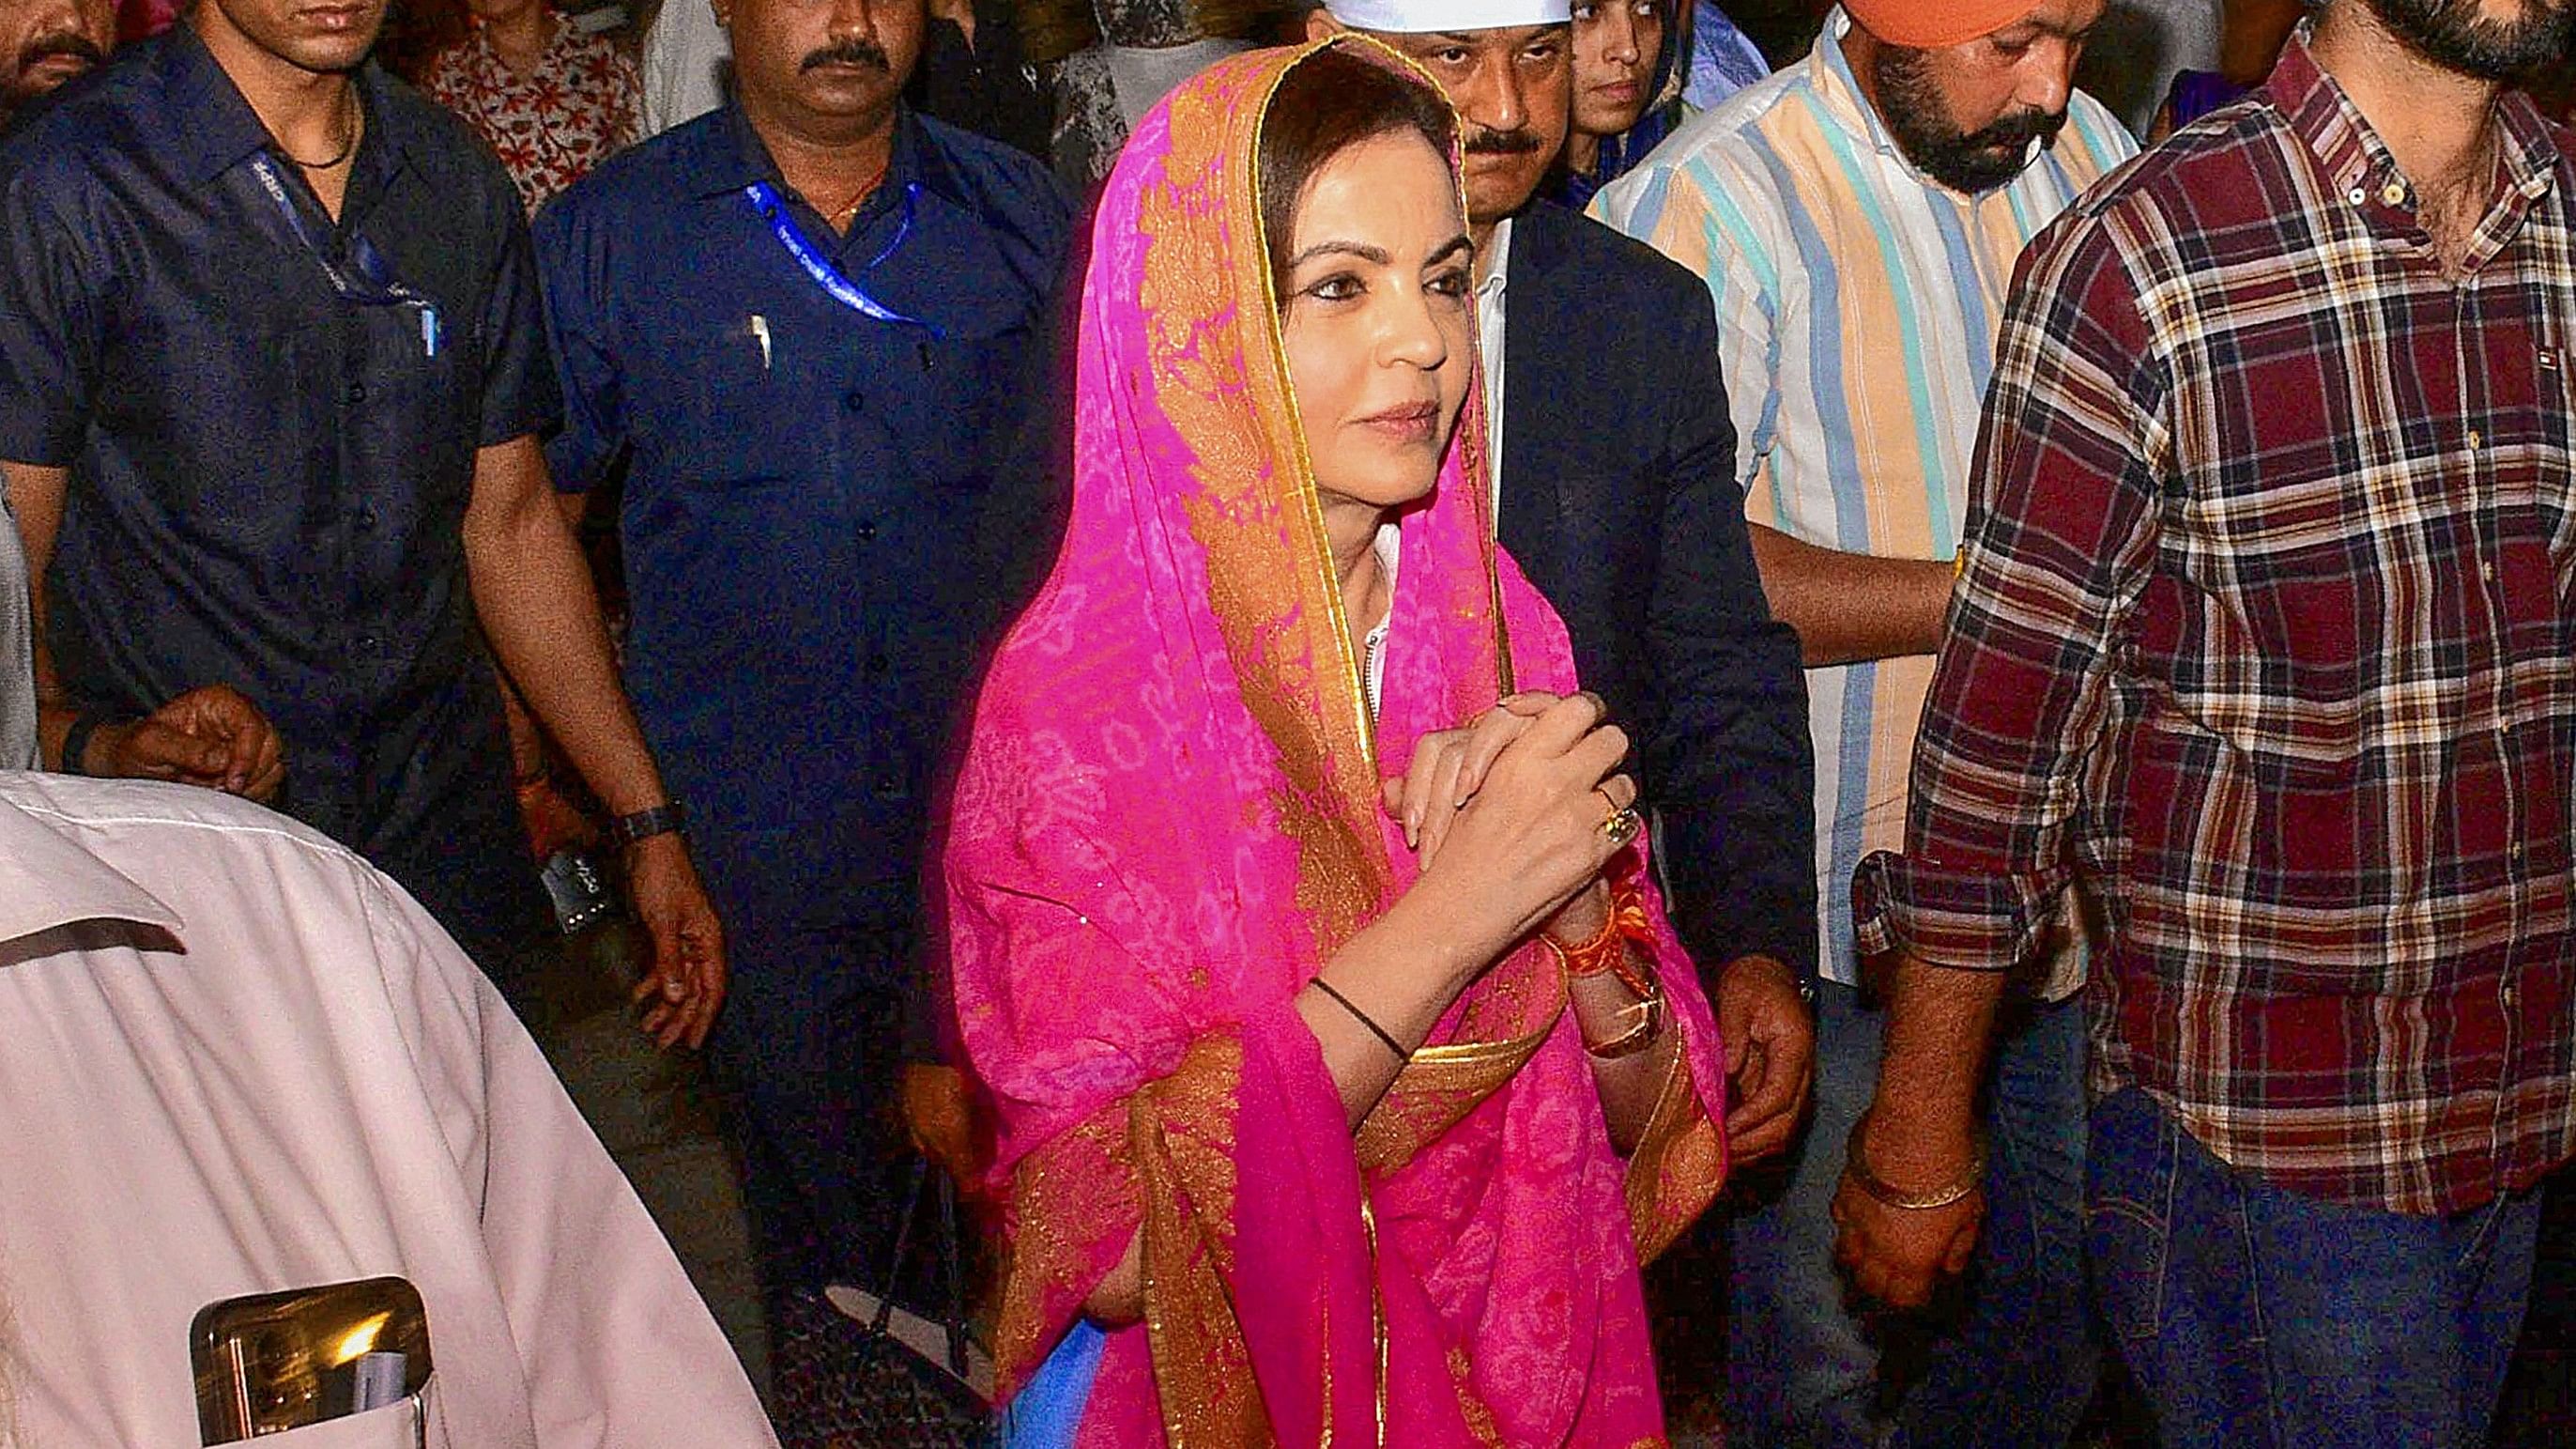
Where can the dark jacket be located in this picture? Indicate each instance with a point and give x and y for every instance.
(1620, 502)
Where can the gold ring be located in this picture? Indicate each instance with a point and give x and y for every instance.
(1622, 826)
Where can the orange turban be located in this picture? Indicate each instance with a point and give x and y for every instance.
(1933, 24)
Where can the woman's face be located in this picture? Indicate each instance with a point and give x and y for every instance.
(1616, 43)
(1377, 306)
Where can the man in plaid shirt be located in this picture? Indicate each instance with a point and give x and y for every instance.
(2266, 637)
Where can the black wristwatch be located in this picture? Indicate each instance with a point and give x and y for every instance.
(664, 819)
(76, 739)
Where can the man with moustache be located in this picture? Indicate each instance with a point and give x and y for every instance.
(47, 42)
(2262, 641)
(271, 375)
(1856, 219)
(811, 324)
(1612, 461)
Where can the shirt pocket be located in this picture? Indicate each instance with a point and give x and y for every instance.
(431, 403)
(230, 413)
(734, 417)
(411, 1423)
(2296, 642)
(981, 395)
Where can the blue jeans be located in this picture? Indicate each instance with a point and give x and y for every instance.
(2014, 1362)
(2256, 1317)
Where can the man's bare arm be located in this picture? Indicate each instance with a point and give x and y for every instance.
(1920, 1134)
(1849, 607)
(533, 591)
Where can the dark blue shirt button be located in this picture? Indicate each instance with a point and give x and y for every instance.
(885, 784)
(867, 531)
(366, 518)
(854, 400)
(876, 664)
(354, 393)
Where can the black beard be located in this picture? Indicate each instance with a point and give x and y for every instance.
(18, 93)
(2453, 35)
(1969, 162)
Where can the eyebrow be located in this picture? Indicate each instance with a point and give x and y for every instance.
(1470, 39)
(1376, 256)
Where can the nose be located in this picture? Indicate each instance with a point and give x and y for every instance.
(2047, 79)
(1619, 33)
(1495, 99)
(1411, 335)
(854, 19)
(52, 15)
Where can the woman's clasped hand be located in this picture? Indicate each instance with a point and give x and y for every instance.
(1515, 809)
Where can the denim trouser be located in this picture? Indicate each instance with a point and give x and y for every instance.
(2256, 1317)
(2016, 1365)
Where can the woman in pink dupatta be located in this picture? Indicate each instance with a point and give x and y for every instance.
(1174, 816)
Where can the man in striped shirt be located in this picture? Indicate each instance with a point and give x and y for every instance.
(1857, 218)
(2265, 639)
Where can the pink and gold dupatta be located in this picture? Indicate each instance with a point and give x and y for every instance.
(1168, 818)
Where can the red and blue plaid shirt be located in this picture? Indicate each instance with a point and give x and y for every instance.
(2266, 635)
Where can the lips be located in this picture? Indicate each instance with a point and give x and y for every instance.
(1621, 91)
(333, 17)
(1410, 423)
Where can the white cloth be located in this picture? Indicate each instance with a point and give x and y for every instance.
(1420, 17)
(17, 650)
(686, 59)
(1389, 548)
(1140, 76)
(238, 1060)
(1489, 349)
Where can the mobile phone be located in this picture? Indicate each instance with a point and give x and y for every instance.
(274, 1361)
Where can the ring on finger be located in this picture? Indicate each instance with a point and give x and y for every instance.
(1622, 826)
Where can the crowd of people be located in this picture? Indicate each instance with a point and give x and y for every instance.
(1370, 665)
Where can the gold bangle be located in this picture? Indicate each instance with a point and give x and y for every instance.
(1856, 1167)
(1649, 1028)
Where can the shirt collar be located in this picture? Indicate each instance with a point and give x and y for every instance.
(47, 881)
(214, 128)
(2358, 165)
(1840, 90)
(731, 156)
(1498, 276)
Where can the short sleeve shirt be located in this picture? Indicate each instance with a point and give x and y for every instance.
(269, 474)
(801, 482)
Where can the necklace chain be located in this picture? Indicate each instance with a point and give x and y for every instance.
(347, 145)
(851, 206)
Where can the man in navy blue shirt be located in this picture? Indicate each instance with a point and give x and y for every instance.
(812, 327)
(271, 375)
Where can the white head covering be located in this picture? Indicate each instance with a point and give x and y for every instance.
(1420, 17)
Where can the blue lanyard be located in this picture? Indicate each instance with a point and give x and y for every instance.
(764, 199)
(373, 284)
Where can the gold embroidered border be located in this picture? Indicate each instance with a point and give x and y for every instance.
(1082, 1177)
(1678, 1166)
(1508, 1017)
(1181, 1136)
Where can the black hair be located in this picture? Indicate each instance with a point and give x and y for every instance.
(1329, 102)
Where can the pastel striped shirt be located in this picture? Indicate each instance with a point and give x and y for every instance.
(1858, 303)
